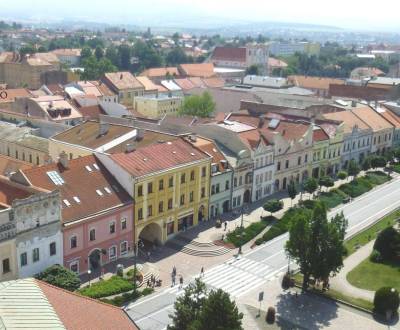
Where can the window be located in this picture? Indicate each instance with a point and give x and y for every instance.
(192, 176)
(278, 166)
(37, 160)
(183, 178)
(52, 248)
(170, 204)
(23, 259)
(182, 200)
(112, 252)
(92, 234)
(203, 192)
(16, 154)
(149, 187)
(161, 207)
(140, 214)
(149, 210)
(112, 227)
(305, 158)
(203, 172)
(73, 243)
(124, 248)
(161, 185)
(298, 161)
(191, 196)
(35, 255)
(235, 182)
(140, 190)
(6, 266)
(217, 188)
(74, 267)
(240, 181)
(30, 157)
(123, 223)
(287, 163)
(212, 190)
(226, 184)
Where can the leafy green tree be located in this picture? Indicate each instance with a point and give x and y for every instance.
(198, 105)
(353, 169)
(147, 55)
(94, 69)
(378, 161)
(342, 175)
(326, 181)
(59, 276)
(99, 53)
(273, 205)
(125, 54)
(316, 244)
(292, 191)
(219, 312)
(366, 164)
(386, 299)
(310, 185)
(112, 54)
(86, 52)
(176, 56)
(188, 306)
(388, 243)
(28, 49)
(253, 70)
(175, 38)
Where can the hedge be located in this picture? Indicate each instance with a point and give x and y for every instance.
(127, 297)
(107, 288)
(249, 232)
(332, 198)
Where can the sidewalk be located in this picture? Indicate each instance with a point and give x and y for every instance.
(340, 283)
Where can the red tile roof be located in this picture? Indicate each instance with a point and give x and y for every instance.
(252, 138)
(291, 131)
(122, 80)
(390, 116)
(314, 82)
(9, 191)
(233, 54)
(184, 83)
(9, 95)
(160, 72)
(79, 182)
(77, 312)
(92, 111)
(215, 82)
(203, 70)
(158, 157)
(244, 118)
(319, 135)
(9, 165)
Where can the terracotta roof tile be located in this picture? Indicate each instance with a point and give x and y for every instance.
(319, 135)
(160, 72)
(215, 82)
(349, 119)
(9, 95)
(81, 183)
(203, 70)
(9, 191)
(233, 54)
(372, 118)
(276, 63)
(9, 165)
(158, 157)
(147, 83)
(314, 82)
(83, 313)
(390, 116)
(92, 111)
(122, 80)
(184, 83)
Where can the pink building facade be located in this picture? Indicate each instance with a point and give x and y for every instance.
(99, 239)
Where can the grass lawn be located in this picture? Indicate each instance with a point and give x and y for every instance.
(371, 233)
(249, 232)
(332, 198)
(369, 275)
(106, 288)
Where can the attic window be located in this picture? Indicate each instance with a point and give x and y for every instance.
(169, 142)
(66, 202)
(145, 159)
(76, 199)
(108, 190)
(96, 167)
(98, 191)
(89, 169)
(56, 178)
(174, 152)
(193, 154)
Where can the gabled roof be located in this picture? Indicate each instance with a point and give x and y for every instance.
(390, 116)
(314, 82)
(147, 83)
(10, 165)
(372, 118)
(158, 157)
(184, 83)
(92, 111)
(349, 119)
(276, 63)
(122, 80)
(160, 72)
(10, 191)
(232, 54)
(215, 82)
(319, 135)
(83, 178)
(203, 70)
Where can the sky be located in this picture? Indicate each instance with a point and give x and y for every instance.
(360, 15)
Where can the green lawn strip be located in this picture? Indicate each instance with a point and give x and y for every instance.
(127, 297)
(336, 295)
(396, 168)
(249, 232)
(372, 276)
(106, 288)
(371, 233)
(332, 198)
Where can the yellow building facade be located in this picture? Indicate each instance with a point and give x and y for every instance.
(158, 106)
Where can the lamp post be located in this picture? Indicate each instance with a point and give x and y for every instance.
(89, 274)
(135, 247)
(241, 231)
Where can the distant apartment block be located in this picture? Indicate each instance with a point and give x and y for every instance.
(158, 106)
(290, 48)
(69, 56)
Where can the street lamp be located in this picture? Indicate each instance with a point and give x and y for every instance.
(241, 231)
(89, 273)
(135, 247)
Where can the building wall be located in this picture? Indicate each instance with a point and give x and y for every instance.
(356, 145)
(104, 239)
(217, 199)
(73, 151)
(158, 107)
(263, 176)
(382, 140)
(319, 158)
(24, 153)
(127, 96)
(7, 245)
(242, 183)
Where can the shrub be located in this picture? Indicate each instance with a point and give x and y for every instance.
(388, 243)
(342, 175)
(59, 276)
(326, 181)
(270, 317)
(147, 291)
(273, 205)
(386, 299)
(243, 235)
(332, 198)
(307, 203)
(286, 281)
(375, 256)
(106, 288)
(269, 219)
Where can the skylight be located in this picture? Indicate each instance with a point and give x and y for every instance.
(108, 190)
(96, 167)
(66, 202)
(98, 191)
(89, 169)
(76, 199)
(56, 178)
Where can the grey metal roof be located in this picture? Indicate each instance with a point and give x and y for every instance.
(23, 305)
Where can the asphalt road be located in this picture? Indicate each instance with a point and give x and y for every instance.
(239, 276)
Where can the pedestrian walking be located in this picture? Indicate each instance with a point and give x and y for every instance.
(180, 282)
(202, 272)
(173, 279)
(174, 270)
(225, 224)
(148, 255)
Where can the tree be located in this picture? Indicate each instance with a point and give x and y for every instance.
(310, 185)
(198, 105)
(378, 161)
(273, 205)
(176, 37)
(388, 243)
(326, 181)
(99, 53)
(176, 56)
(316, 244)
(353, 168)
(86, 52)
(219, 312)
(59, 276)
(112, 55)
(366, 164)
(253, 70)
(292, 191)
(386, 299)
(342, 175)
(125, 54)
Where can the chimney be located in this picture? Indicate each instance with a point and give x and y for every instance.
(193, 138)
(139, 134)
(121, 76)
(103, 128)
(353, 103)
(63, 159)
(224, 163)
(129, 147)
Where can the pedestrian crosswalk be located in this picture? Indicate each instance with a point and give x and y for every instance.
(239, 276)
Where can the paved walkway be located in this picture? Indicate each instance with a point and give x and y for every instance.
(340, 283)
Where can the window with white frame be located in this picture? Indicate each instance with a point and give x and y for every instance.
(112, 252)
(73, 242)
(92, 234)
(74, 267)
(124, 248)
(35, 255)
(112, 227)
(123, 224)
